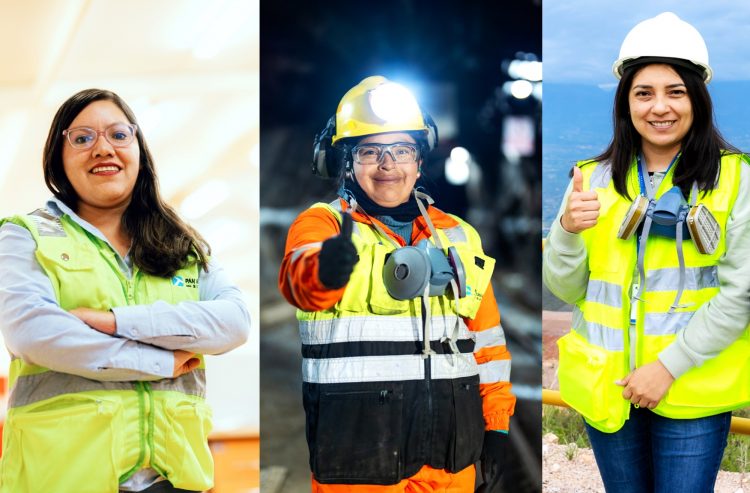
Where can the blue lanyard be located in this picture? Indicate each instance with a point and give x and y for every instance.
(646, 190)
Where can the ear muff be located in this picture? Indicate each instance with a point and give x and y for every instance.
(432, 131)
(324, 155)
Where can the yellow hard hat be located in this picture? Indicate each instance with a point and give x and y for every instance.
(377, 105)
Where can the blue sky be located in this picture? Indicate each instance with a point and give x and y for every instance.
(581, 38)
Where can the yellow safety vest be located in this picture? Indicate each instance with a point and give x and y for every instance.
(600, 346)
(68, 434)
(365, 378)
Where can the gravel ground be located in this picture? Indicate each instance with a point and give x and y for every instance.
(580, 475)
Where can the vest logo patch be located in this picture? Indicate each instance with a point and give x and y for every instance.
(185, 282)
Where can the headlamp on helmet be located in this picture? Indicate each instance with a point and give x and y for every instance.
(374, 106)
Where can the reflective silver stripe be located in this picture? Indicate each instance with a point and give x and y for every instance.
(494, 371)
(34, 388)
(363, 369)
(386, 368)
(456, 234)
(606, 293)
(601, 176)
(657, 324)
(695, 278)
(297, 253)
(490, 337)
(47, 224)
(600, 335)
(443, 366)
(191, 383)
(378, 328)
(336, 205)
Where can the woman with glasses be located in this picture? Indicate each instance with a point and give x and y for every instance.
(651, 246)
(405, 367)
(108, 301)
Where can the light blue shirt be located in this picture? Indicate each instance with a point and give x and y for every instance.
(36, 329)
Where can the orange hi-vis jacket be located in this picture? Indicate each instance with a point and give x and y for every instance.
(299, 283)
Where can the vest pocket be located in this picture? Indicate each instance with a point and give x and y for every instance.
(187, 461)
(465, 446)
(478, 268)
(381, 302)
(720, 384)
(358, 436)
(66, 444)
(587, 374)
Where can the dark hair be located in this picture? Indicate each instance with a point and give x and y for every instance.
(702, 146)
(162, 242)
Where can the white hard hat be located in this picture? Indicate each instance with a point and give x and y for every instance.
(664, 36)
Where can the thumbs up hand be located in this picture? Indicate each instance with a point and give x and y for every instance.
(337, 257)
(582, 209)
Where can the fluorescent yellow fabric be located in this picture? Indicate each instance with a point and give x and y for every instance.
(599, 348)
(88, 436)
(366, 293)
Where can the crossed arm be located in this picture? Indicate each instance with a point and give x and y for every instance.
(151, 341)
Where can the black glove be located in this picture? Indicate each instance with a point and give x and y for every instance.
(494, 451)
(337, 257)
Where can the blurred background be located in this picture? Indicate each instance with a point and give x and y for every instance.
(189, 70)
(476, 68)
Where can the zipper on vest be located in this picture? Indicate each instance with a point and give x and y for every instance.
(428, 391)
(149, 423)
(633, 325)
(139, 390)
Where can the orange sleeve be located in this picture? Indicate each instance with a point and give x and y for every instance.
(298, 276)
(493, 359)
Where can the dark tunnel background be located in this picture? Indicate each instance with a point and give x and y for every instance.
(455, 57)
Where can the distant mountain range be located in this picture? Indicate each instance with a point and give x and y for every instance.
(577, 124)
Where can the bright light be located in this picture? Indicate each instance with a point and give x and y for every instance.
(393, 102)
(537, 92)
(458, 166)
(460, 154)
(519, 89)
(525, 69)
(205, 198)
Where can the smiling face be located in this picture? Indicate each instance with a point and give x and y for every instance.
(103, 176)
(388, 184)
(660, 108)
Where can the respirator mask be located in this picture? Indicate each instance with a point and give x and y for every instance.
(411, 270)
(671, 210)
